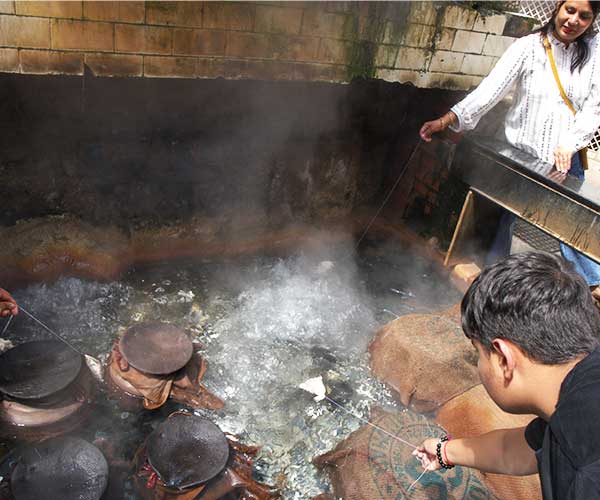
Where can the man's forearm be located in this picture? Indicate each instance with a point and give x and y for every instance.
(503, 452)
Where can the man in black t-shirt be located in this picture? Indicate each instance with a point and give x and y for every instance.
(536, 329)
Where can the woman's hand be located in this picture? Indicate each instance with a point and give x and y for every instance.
(435, 126)
(430, 128)
(562, 159)
(426, 454)
(8, 305)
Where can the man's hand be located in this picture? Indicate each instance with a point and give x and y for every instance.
(426, 454)
(562, 159)
(8, 305)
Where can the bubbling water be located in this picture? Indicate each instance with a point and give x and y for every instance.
(266, 325)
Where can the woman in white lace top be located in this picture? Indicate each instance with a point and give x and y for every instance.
(539, 121)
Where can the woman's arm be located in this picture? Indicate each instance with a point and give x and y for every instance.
(466, 114)
(495, 86)
(503, 451)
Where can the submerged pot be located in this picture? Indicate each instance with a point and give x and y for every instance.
(153, 362)
(45, 389)
(63, 468)
(188, 457)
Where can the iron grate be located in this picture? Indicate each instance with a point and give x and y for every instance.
(535, 237)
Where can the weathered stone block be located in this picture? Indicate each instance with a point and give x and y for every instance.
(457, 16)
(294, 48)
(468, 42)
(341, 6)
(28, 32)
(142, 39)
(409, 58)
(446, 62)
(319, 72)
(171, 67)
(445, 38)
(466, 273)
(424, 12)
(229, 15)
(398, 75)
(286, 20)
(69, 10)
(199, 42)
(319, 23)
(386, 56)
(372, 29)
(449, 81)
(127, 11)
(335, 51)
(174, 13)
(114, 64)
(82, 35)
(9, 60)
(496, 45)
(248, 45)
(51, 62)
(490, 24)
(477, 65)
(412, 35)
(7, 7)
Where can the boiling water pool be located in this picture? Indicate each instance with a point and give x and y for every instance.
(266, 324)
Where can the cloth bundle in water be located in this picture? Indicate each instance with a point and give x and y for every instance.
(184, 386)
(425, 359)
(370, 465)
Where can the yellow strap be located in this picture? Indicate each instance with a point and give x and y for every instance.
(556, 77)
(583, 152)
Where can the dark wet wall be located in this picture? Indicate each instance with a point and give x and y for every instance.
(127, 151)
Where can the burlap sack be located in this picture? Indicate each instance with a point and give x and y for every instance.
(473, 413)
(370, 465)
(425, 359)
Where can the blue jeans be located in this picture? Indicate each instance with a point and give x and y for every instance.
(500, 248)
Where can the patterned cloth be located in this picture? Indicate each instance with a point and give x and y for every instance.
(538, 120)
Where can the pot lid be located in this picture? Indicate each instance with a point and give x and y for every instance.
(156, 348)
(63, 468)
(36, 370)
(187, 450)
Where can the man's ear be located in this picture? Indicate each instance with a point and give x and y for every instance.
(505, 357)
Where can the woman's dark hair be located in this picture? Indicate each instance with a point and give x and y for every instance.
(537, 301)
(582, 52)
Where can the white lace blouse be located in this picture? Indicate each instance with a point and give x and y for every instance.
(538, 120)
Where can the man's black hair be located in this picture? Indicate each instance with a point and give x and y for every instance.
(537, 301)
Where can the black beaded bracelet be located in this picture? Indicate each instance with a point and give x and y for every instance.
(438, 453)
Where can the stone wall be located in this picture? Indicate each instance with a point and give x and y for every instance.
(429, 44)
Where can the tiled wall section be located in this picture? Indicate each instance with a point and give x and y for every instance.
(444, 45)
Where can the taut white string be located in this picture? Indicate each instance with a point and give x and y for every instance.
(10, 317)
(48, 329)
(416, 481)
(370, 423)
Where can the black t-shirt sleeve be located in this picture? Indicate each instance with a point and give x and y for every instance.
(534, 433)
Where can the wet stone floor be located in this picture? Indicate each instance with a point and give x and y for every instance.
(266, 324)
